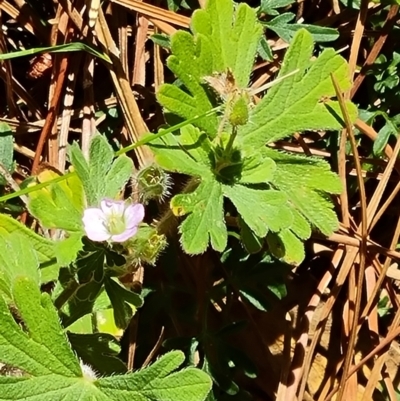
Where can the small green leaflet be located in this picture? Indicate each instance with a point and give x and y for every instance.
(161, 40)
(53, 372)
(283, 26)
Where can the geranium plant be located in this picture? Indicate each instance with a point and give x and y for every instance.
(236, 185)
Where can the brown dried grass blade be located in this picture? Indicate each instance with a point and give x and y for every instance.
(158, 13)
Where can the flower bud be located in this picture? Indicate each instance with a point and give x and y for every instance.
(152, 183)
(145, 246)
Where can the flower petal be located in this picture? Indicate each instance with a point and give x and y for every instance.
(112, 207)
(130, 232)
(93, 221)
(134, 215)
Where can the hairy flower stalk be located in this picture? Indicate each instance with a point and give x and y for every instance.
(114, 221)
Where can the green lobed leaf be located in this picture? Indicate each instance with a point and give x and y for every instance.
(262, 210)
(264, 50)
(41, 349)
(223, 39)
(118, 176)
(98, 350)
(185, 152)
(234, 36)
(54, 372)
(286, 29)
(206, 217)
(161, 40)
(67, 250)
(255, 298)
(294, 247)
(158, 383)
(251, 242)
(17, 259)
(299, 102)
(191, 60)
(122, 301)
(88, 285)
(257, 169)
(81, 167)
(60, 205)
(306, 180)
(43, 247)
(102, 176)
(101, 156)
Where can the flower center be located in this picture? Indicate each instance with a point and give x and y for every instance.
(116, 224)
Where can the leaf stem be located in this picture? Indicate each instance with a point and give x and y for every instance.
(66, 294)
(231, 140)
(169, 221)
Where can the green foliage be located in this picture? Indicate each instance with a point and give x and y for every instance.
(284, 26)
(217, 43)
(6, 149)
(43, 247)
(233, 36)
(161, 40)
(89, 347)
(175, 5)
(52, 371)
(270, 6)
(265, 201)
(145, 246)
(255, 277)
(17, 258)
(59, 205)
(205, 222)
(67, 250)
(83, 282)
(278, 196)
(384, 81)
(102, 176)
(389, 128)
(301, 101)
(122, 301)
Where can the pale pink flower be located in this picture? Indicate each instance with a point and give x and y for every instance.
(115, 221)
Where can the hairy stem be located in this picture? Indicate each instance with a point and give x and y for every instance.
(66, 294)
(169, 222)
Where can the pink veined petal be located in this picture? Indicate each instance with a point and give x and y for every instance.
(112, 207)
(134, 215)
(93, 221)
(130, 232)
